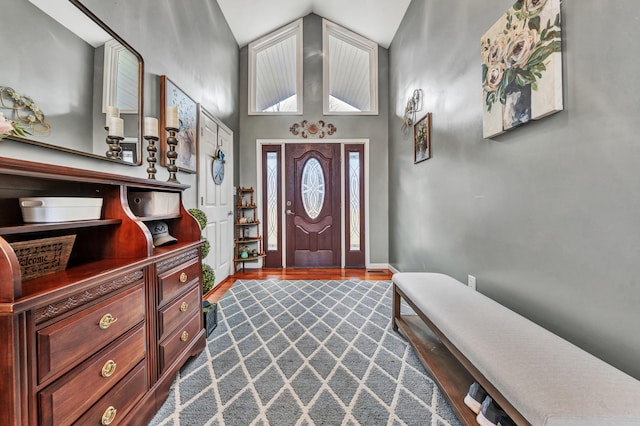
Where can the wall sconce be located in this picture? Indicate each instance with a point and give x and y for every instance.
(414, 104)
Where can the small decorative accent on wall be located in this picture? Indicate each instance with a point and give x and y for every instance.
(307, 129)
(414, 104)
(522, 66)
(422, 139)
(186, 127)
(26, 117)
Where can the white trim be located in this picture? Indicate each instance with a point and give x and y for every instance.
(343, 197)
(367, 203)
(392, 269)
(293, 29)
(329, 28)
(342, 142)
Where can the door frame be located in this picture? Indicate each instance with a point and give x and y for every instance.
(342, 142)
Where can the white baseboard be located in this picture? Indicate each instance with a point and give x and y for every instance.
(392, 269)
(378, 266)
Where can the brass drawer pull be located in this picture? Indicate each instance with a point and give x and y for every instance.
(185, 336)
(109, 415)
(184, 307)
(183, 277)
(107, 320)
(108, 368)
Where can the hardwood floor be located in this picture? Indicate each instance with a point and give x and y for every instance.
(297, 274)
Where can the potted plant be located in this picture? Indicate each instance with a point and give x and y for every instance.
(209, 310)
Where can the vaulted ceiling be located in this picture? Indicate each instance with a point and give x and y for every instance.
(376, 20)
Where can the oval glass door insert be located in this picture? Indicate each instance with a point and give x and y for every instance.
(312, 188)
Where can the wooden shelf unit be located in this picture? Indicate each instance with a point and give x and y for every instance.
(115, 278)
(247, 229)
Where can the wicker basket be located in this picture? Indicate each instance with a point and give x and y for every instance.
(43, 256)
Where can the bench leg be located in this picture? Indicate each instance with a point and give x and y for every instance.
(395, 309)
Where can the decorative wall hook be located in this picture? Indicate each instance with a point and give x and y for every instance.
(307, 129)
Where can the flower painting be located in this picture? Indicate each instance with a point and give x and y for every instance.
(522, 66)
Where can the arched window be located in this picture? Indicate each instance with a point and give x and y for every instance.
(275, 72)
(350, 71)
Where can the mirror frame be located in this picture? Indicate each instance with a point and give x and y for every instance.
(94, 18)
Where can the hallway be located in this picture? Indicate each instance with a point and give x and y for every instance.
(297, 274)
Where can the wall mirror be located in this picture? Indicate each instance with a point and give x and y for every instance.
(62, 70)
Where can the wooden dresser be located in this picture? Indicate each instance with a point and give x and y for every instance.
(100, 342)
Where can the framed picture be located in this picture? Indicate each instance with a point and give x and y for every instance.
(422, 139)
(129, 150)
(187, 148)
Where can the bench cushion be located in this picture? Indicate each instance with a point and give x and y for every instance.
(547, 379)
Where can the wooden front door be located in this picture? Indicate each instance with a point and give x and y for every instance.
(312, 205)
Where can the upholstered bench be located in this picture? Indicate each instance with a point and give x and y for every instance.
(536, 376)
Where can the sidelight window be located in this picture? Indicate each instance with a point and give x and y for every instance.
(272, 200)
(354, 200)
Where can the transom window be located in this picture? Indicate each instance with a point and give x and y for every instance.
(350, 72)
(275, 72)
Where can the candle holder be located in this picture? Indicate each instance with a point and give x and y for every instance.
(108, 142)
(172, 155)
(113, 142)
(151, 159)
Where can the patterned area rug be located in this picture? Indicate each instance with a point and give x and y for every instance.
(305, 353)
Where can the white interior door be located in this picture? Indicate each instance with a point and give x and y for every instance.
(216, 201)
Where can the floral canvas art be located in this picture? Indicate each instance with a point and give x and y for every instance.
(522, 66)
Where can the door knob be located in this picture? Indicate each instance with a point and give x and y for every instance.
(289, 212)
(230, 213)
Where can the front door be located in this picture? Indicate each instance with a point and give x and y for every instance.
(312, 203)
(216, 198)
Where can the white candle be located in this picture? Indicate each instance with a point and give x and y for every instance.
(111, 113)
(151, 127)
(171, 120)
(116, 127)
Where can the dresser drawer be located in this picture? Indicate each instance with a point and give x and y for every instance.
(64, 344)
(71, 395)
(178, 341)
(178, 280)
(115, 405)
(178, 312)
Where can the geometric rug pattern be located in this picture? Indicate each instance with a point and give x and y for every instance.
(305, 353)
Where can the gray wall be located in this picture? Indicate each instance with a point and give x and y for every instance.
(373, 128)
(189, 41)
(546, 216)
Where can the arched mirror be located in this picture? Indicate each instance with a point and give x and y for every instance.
(63, 72)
